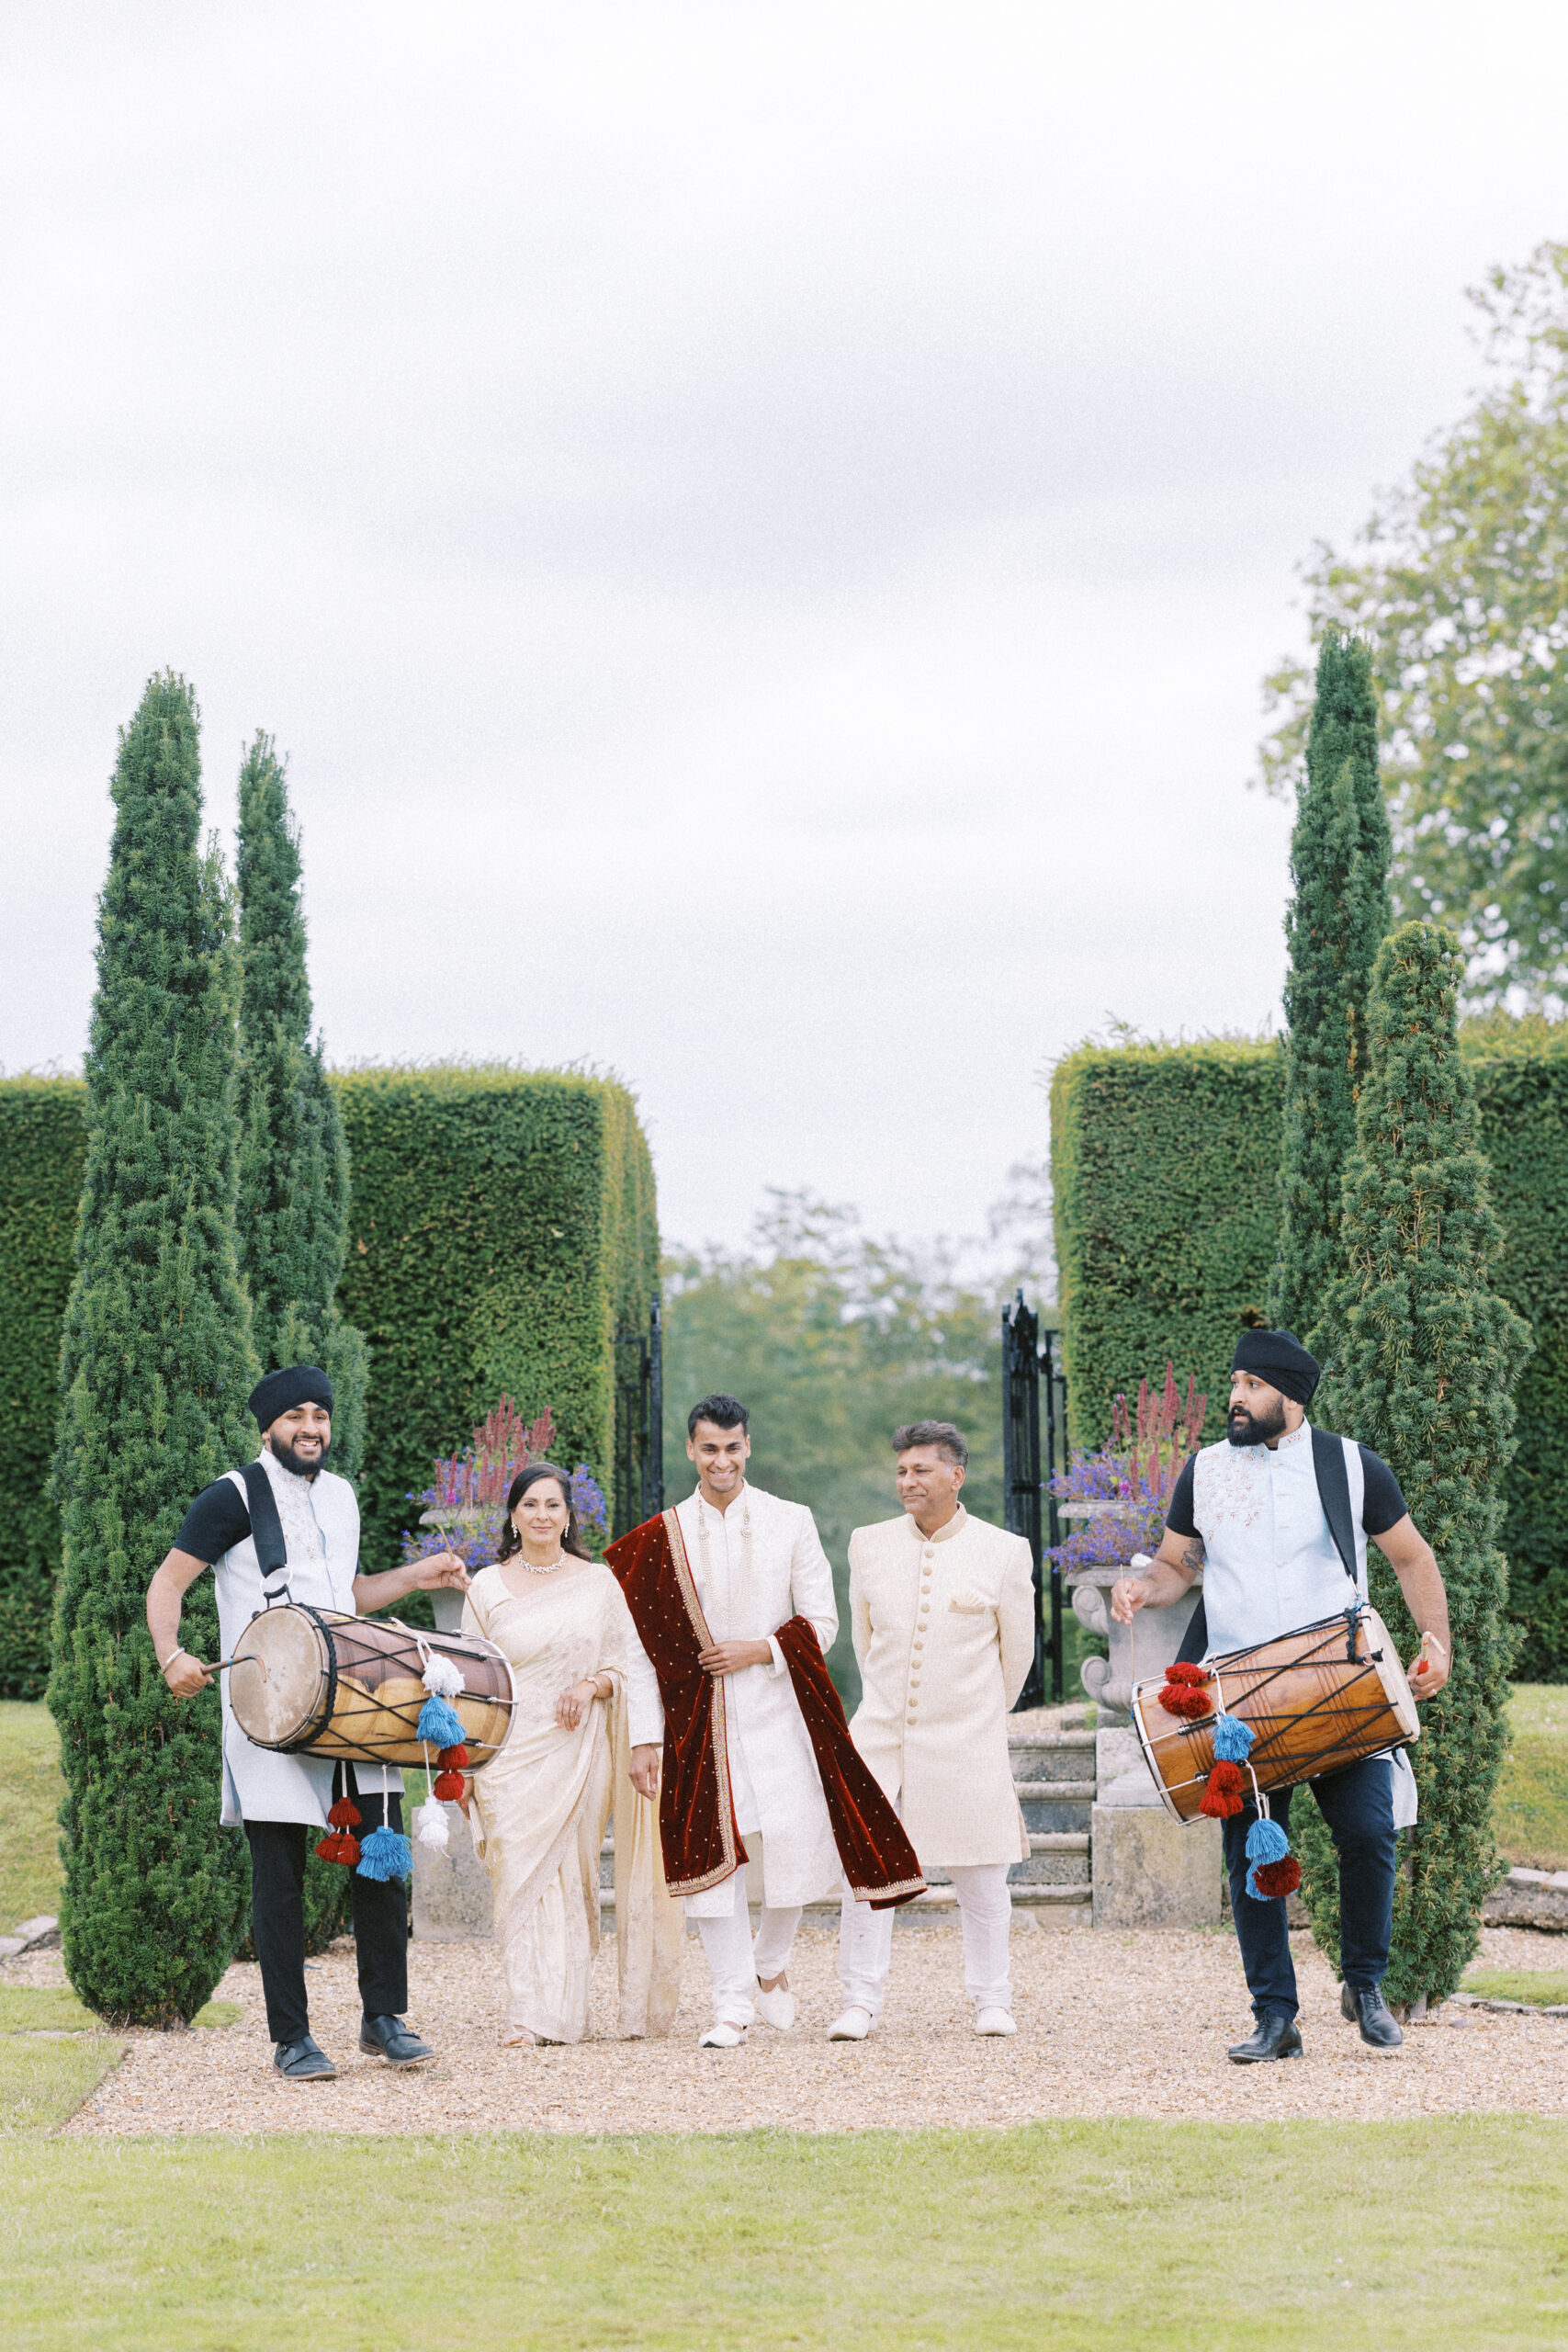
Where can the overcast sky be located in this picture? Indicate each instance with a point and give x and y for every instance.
(757, 530)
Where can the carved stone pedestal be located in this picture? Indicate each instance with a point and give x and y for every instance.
(453, 1898)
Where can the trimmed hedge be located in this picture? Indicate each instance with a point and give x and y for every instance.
(503, 1228)
(1164, 1161)
(43, 1149)
(1164, 1165)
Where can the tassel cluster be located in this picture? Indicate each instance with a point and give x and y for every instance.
(449, 1778)
(430, 1824)
(443, 1677)
(1275, 1870)
(385, 1854)
(1186, 1692)
(439, 1726)
(1224, 1792)
(340, 1845)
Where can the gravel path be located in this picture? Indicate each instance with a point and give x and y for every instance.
(1108, 2025)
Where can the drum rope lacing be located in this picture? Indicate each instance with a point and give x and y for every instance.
(1348, 1719)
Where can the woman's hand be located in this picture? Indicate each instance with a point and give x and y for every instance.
(1127, 1594)
(570, 1705)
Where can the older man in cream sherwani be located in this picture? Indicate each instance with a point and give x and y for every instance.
(757, 1561)
(941, 1609)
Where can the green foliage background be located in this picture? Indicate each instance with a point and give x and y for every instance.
(1420, 1358)
(156, 1366)
(1338, 913)
(503, 1228)
(43, 1144)
(1164, 1161)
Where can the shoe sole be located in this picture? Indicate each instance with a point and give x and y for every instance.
(402, 2065)
(1277, 2059)
(329, 2074)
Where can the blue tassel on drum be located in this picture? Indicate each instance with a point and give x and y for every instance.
(1275, 1870)
(1232, 1738)
(385, 1854)
(440, 1724)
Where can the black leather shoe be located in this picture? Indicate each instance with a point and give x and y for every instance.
(389, 2038)
(301, 2062)
(1276, 2037)
(1364, 2004)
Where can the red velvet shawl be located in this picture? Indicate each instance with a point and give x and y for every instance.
(696, 1810)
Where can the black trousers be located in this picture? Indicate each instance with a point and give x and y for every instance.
(278, 1922)
(1357, 1805)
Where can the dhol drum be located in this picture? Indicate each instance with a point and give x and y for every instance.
(1313, 1701)
(308, 1682)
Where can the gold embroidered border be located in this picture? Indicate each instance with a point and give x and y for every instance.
(717, 1717)
(884, 1893)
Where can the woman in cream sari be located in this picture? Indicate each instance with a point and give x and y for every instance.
(541, 1806)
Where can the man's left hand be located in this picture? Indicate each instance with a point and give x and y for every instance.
(445, 1570)
(731, 1657)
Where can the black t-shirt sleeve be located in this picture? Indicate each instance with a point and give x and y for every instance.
(1179, 1519)
(218, 1520)
(1383, 1506)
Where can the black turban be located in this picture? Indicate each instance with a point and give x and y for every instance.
(302, 1384)
(1278, 1358)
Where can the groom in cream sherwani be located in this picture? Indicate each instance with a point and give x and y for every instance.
(942, 1610)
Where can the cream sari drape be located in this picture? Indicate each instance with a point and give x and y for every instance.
(541, 1808)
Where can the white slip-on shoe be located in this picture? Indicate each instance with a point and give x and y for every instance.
(994, 2022)
(722, 2036)
(776, 2008)
(853, 2026)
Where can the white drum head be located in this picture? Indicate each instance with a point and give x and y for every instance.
(279, 1677)
(1391, 1674)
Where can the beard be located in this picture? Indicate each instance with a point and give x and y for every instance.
(1244, 1427)
(287, 1459)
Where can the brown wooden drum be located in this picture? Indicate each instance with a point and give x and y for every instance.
(308, 1682)
(1313, 1701)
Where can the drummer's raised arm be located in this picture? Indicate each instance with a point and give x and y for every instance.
(1414, 1563)
(442, 1571)
(171, 1580)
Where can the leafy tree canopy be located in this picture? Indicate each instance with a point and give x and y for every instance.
(1459, 583)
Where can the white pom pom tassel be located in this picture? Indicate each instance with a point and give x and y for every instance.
(442, 1677)
(430, 1824)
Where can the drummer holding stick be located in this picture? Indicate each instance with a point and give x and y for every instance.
(1277, 1516)
(286, 1528)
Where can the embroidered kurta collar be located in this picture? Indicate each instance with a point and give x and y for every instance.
(955, 1526)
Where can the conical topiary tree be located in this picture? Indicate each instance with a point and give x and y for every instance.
(294, 1196)
(1421, 1359)
(156, 1365)
(293, 1231)
(1339, 858)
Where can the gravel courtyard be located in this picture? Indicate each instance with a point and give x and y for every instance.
(1108, 2024)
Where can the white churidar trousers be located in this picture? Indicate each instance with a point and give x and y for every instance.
(734, 1963)
(985, 1912)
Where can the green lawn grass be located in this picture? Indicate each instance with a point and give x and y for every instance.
(43, 2082)
(52, 2008)
(1547, 1987)
(1082, 2235)
(1531, 1808)
(31, 1790)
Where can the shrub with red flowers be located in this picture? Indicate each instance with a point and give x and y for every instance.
(1134, 1474)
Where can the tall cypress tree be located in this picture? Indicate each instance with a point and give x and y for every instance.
(1422, 1358)
(155, 1368)
(1338, 915)
(294, 1183)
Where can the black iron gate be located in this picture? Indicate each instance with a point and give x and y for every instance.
(639, 1424)
(1029, 1363)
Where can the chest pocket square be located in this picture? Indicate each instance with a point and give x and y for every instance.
(970, 1604)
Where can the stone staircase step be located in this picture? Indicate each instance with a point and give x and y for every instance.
(1058, 1841)
(1055, 1792)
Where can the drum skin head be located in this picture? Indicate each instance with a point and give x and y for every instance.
(279, 1676)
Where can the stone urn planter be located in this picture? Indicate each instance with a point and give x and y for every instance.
(1149, 1647)
(446, 1607)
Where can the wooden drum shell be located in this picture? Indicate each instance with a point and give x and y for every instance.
(310, 1682)
(1310, 1710)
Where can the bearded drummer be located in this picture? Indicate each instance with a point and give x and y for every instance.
(294, 1506)
(1267, 1517)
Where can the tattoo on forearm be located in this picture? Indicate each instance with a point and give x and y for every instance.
(1192, 1558)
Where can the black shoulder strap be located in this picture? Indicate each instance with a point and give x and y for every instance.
(1195, 1640)
(266, 1531)
(1334, 1494)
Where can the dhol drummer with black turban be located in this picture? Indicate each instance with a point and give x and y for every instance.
(301, 1514)
(1277, 1516)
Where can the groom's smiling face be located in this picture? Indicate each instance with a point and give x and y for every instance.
(720, 1456)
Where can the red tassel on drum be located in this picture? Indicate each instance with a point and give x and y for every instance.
(1224, 1792)
(1277, 1878)
(338, 1846)
(448, 1786)
(1186, 1671)
(452, 1759)
(1185, 1692)
(345, 1814)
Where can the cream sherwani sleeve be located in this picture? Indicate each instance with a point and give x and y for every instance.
(811, 1586)
(1015, 1619)
(859, 1607)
